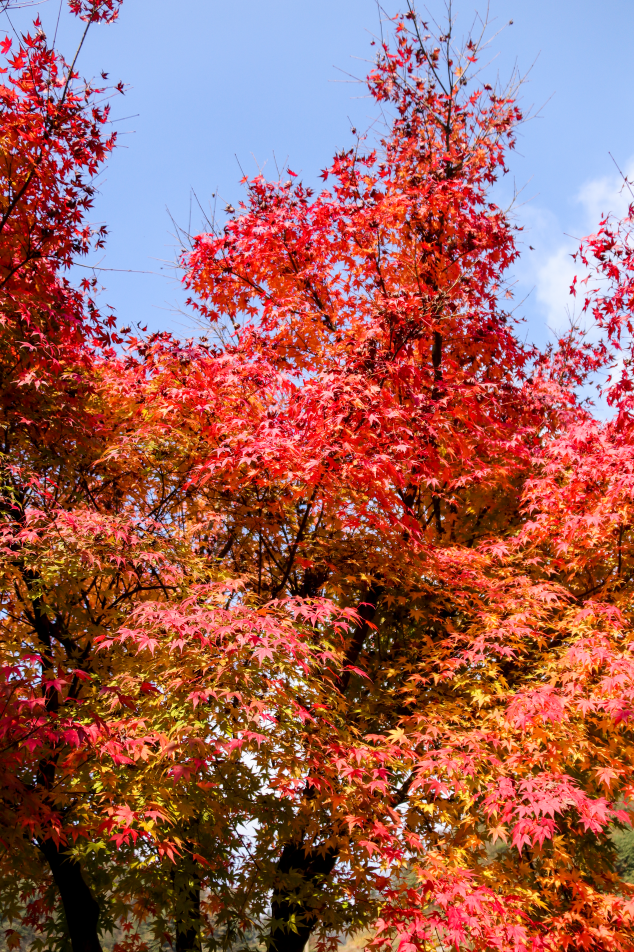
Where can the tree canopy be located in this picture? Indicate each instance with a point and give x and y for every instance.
(318, 626)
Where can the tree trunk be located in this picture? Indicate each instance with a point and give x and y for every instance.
(187, 909)
(288, 904)
(80, 906)
(302, 873)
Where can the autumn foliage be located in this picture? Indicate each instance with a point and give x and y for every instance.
(321, 628)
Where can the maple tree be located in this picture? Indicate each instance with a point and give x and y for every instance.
(375, 307)
(52, 147)
(321, 628)
(83, 476)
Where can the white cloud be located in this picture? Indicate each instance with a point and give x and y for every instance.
(553, 278)
(603, 196)
(549, 269)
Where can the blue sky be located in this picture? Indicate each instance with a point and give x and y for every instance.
(216, 86)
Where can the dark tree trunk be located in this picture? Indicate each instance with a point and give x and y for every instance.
(80, 906)
(302, 872)
(187, 909)
(300, 904)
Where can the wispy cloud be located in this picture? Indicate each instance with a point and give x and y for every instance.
(553, 276)
(606, 195)
(548, 270)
